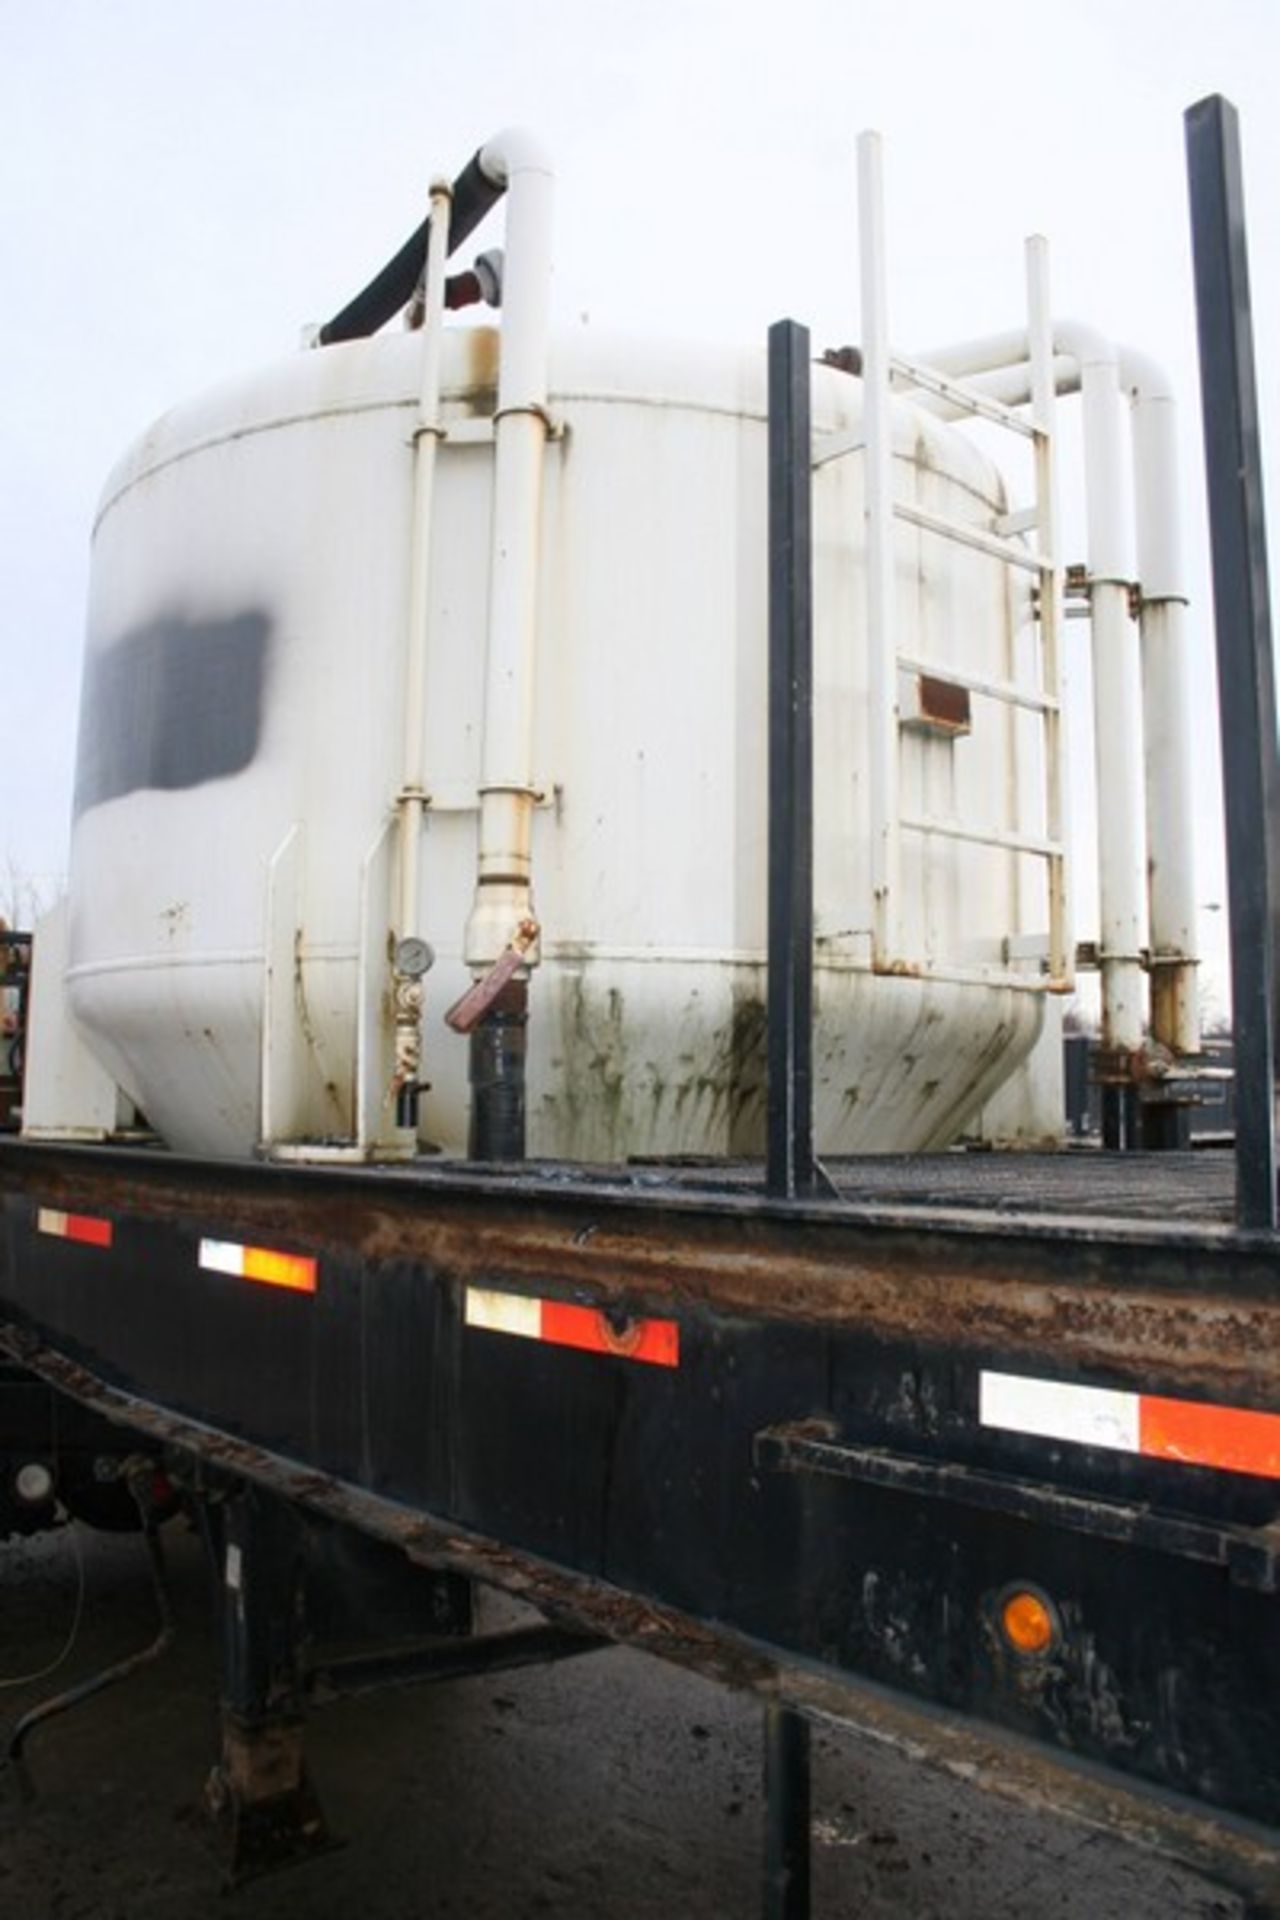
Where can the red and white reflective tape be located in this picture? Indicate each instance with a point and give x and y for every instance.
(296, 1271)
(656, 1342)
(84, 1227)
(1234, 1439)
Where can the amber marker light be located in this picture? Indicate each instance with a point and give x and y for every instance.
(1027, 1621)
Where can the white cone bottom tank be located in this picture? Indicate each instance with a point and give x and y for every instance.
(242, 729)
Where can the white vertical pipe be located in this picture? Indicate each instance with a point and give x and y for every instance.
(1117, 711)
(406, 989)
(507, 793)
(412, 797)
(1171, 880)
(882, 650)
(1043, 393)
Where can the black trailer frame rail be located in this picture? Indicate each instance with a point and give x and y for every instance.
(807, 1502)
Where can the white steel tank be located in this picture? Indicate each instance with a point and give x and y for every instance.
(240, 750)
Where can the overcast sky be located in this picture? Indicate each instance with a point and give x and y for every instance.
(183, 185)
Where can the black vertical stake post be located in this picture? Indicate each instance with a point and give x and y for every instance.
(789, 1164)
(1242, 617)
(789, 1169)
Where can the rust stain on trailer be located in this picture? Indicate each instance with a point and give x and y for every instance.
(1195, 1311)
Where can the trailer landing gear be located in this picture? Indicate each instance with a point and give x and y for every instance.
(263, 1802)
(259, 1792)
(282, 1576)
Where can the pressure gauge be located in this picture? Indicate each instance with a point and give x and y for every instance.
(414, 957)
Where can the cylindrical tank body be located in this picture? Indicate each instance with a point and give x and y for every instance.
(242, 727)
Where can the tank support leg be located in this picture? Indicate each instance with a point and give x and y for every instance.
(1119, 1118)
(786, 1814)
(260, 1791)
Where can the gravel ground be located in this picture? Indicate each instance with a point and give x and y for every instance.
(612, 1787)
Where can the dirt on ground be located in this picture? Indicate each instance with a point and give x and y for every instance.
(611, 1786)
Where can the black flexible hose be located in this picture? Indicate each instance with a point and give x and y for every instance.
(474, 193)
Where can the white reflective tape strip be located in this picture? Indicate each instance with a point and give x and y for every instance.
(50, 1221)
(235, 1572)
(222, 1256)
(504, 1312)
(1055, 1410)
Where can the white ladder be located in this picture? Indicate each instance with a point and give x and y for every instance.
(1025, 540)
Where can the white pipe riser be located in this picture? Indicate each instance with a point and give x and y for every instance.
(1157, 512)
(1166, 702)
(407, 993)
(1175, 1008)
(503, 895)
(519, 458)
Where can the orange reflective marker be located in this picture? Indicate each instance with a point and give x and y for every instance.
(1208, 1436)
(561, 1323)
(294, 1271)
(1199, 1433)
(1027, 1622)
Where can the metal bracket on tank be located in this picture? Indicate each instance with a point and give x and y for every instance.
(460, 796)
(301, 1118)
(480, 432)
(298, 1100)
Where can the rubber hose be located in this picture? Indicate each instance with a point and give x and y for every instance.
(474, 193)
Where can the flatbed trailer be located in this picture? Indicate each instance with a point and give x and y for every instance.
(810, 1447)
(977, 1453)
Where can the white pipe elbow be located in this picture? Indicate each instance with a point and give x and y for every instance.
(514, 150)
(970, 357)
(1000, 351)
(1086, 345)
(1142, 378)
(516, 160)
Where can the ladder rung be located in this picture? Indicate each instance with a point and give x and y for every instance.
(836, 445)
(927, 380)
(1006, 690)
(968, 536)
(984, 836)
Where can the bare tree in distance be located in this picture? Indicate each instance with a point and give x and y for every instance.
(24, 897)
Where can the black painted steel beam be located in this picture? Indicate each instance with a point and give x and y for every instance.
(789, 1145)
(445, 1660)
(786, 1814)
(1242, 618)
